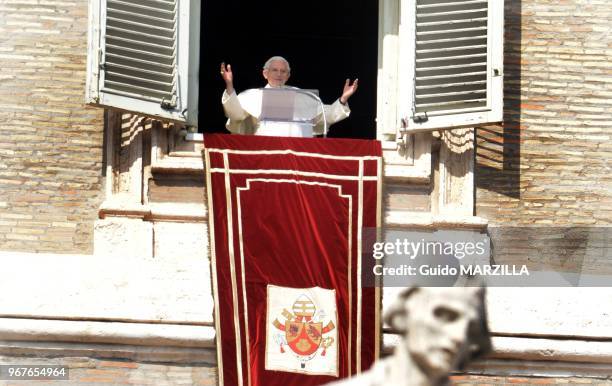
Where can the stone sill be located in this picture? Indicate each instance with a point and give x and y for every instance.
(179, 343)
(534, 369)
(187, 212)
(141, 334)
(152, 354)
(535, 349)
(133, 341)
(187, 163)
(195, 137)
(406, 174)
(552, 349)
(426, 220)
(191, 212)
(192, 163)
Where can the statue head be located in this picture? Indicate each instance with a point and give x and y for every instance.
(443, 328)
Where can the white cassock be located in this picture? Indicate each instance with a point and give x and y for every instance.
(243, 112)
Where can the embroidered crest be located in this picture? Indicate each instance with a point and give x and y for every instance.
(305, 338)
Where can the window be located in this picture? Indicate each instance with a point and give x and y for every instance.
(451, 63)
(144, 57)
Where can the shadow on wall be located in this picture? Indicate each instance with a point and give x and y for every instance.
(131, 140)
(498, 148)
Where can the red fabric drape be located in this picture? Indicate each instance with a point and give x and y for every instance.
(286, 217)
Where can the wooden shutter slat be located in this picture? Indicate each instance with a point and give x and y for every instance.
(138, 63)
(423, 4)
(148, 83)
(140, 46)
(450, 54)
(161, 40)
(132, 25)
(140, 72)
(131, 90)
(148, 5)
(134, 54)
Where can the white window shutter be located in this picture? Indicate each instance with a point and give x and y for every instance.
(452, 63)
(144, 57)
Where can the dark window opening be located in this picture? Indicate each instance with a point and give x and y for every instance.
(324, 41)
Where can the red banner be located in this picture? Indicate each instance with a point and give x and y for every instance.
(286, 219)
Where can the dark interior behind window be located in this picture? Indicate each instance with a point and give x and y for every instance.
(325, 42)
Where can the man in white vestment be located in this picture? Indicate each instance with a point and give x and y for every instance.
(244, 110)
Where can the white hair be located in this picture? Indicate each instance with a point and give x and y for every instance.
(268, 62)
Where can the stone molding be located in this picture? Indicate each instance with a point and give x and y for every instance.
(76, 331)
(186, 212)
(425, 220)
(175, 355)
(521, 356)
(193, 344)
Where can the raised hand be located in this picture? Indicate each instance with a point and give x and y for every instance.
(228, 77)
(349, 90)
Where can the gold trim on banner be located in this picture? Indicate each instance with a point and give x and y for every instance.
(378, 279)
(349, 275)
(296, 172)
(227, 172)
(359, 246)
(297, 153)
(242, 271)
(230, 239)
(213, 261)
(240, 230)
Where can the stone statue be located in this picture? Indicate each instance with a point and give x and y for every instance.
(442, 330)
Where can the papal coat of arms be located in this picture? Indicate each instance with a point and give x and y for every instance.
(302, 334)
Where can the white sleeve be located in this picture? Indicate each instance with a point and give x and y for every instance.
(333, 113)
(231, 106)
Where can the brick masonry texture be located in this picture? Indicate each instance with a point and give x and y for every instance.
(50, 142)
(91, 371)
(473, 380)
(548, 172)
(551, 163)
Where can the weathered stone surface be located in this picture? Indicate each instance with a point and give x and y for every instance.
(170, 289)
(122, 236)
(49, 139)
(84, 370)
(550, 163)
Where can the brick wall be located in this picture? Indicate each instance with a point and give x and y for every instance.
(552, 161)
(90, 371)
(50, 142)
(548, 172)
(93, 371)
(472, 380)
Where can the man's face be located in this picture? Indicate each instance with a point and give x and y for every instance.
(277, 74)
(438, 325)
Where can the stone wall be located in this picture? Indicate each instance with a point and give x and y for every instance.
(544, 180)
(51, 158)
(551, 163)
(470, 380)
(93, 371)
(89, 371)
